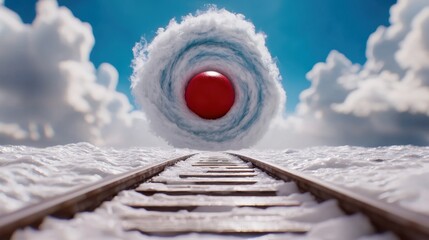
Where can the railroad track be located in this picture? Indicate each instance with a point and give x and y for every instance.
(224, 194)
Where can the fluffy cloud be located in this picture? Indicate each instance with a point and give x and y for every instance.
(384, 102)
(50, 92)
(212, 39)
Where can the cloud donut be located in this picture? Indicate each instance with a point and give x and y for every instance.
(212, 40)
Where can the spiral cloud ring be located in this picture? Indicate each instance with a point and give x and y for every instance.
(215, 40)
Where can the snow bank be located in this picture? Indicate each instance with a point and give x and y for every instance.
(28, 175)
(396, 174)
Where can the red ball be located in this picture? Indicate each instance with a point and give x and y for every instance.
(210, 95)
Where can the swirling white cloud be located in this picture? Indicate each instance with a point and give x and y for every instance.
(213, 40)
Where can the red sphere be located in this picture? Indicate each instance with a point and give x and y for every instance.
(210, 95)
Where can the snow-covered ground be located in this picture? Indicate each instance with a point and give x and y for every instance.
(325, 220)
(397, 174)
(28, 174)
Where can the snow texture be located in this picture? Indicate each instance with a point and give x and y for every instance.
(397, 175)
(212, 40)
(28, 175)
(327, 221)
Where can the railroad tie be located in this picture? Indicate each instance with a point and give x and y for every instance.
(209, 189)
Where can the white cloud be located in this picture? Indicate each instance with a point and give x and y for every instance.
(414, 51)
(50, 92)
(211, 40)
(384, 102)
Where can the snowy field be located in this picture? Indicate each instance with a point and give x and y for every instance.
(28, 175)
(397, 174)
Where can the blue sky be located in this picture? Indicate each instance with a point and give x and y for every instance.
(300, 33)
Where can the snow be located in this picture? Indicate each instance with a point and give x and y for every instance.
(395, 174)
(171, 172)
(105, 224)
(28, 174)
(325, 220)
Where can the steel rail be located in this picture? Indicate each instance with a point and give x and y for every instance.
(385, 217)
(83, 199)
